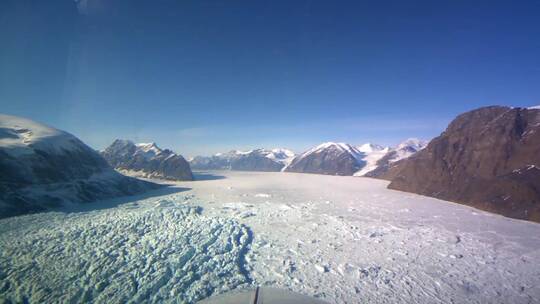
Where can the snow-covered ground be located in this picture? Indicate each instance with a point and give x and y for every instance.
(343, 239)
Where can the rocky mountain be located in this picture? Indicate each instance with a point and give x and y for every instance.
(42, 167)
(392, 157)
(254, 160)
(344, 159)
(488, 158)
(214, 162)
(147, 160)
(261, 160)
(328, 158)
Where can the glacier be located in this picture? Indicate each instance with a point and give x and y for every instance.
(342, 239)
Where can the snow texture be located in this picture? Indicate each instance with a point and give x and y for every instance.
(341, 239)
(152, 251)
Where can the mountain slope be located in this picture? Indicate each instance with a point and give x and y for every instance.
(328, 158)
(147, 160)
(43, 167)
(488, 158)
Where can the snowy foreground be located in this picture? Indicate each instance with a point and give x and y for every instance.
(342, 239)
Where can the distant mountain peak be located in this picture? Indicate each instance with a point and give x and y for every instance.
(409, 147)
(335, 145)
(413, 142)
(120, 141)
(147, 160)
(332, 158)
(147, 145)
(369, 148)
(151, 148)
(259, 159)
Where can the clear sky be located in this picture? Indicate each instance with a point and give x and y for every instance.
(207, 76)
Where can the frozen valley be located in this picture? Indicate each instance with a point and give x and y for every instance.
(341, 239)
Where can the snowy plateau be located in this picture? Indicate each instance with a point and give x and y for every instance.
(342, 239)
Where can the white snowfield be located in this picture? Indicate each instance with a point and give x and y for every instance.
(341, 239)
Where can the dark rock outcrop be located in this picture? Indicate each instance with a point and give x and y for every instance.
(488, 158)
(42, 167)
(147, 160)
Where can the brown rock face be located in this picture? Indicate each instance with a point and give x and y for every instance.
(488, 158)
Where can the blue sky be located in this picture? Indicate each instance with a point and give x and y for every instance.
(207, 76)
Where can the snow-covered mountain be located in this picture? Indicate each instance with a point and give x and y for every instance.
(328, 158)
(408, 148)
(43, 167)
(254, 160)
(372, 154)
(370, 148)
(218, 161)
(404, 150)
(147, 160)
(344, 159)
(281, 155)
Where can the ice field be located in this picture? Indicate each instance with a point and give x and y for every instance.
(341, 239)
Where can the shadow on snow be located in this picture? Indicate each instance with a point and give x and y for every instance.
(202, 176)
(114, 202)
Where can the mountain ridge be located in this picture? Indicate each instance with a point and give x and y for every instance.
(272, 160)
(487, 158)
(147, 160)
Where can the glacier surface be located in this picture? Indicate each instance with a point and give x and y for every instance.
(341, 239)
(150, 251)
